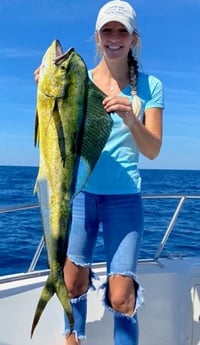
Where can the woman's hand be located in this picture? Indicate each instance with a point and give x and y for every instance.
(122, 106)
(148, 136)
(37, 74)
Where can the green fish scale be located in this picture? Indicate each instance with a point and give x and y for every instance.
(97, 127)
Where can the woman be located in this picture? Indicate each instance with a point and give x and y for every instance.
(112, 197)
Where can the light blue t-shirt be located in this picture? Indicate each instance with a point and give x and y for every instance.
(116, 171)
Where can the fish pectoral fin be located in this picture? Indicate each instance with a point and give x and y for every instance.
(47, 292)
(36, 134)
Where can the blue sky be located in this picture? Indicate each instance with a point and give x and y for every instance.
(170, 50)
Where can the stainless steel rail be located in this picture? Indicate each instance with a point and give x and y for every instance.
(8, 209)
(170, 228)
(180, 198)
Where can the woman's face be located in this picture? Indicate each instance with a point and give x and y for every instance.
(114, 41)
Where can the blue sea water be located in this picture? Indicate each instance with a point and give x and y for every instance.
(21, 231)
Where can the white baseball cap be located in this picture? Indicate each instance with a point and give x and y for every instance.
(119, 11)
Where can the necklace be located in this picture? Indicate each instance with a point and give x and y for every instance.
(112, 87)
(117, 84)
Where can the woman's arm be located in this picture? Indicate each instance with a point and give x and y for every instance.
(148, 136)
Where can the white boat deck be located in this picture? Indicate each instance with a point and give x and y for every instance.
(171, 314)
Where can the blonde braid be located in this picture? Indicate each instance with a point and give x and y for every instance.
(133, 76)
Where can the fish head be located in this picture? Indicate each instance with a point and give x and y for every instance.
(54, 68)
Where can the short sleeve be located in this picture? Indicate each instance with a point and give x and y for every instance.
(150, 91)
(157, 94)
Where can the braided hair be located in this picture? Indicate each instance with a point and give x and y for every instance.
(133, 78)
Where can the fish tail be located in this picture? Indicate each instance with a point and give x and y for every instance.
(47, 292)
(62, 294)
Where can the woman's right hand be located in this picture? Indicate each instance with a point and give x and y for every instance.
(37, 74)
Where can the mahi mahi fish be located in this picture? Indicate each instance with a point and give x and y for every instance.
(71, 129)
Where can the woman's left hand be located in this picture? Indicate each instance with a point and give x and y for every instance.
(37, 74)
(122, 106)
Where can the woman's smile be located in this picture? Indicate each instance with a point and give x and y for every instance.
(113, 47)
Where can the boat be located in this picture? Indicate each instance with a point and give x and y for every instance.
(170, 315)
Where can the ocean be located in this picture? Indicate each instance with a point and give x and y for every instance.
(21, 231)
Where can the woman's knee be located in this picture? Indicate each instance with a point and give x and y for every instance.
(122, 294)
(76, 278)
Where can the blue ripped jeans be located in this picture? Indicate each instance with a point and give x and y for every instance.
(120, 217)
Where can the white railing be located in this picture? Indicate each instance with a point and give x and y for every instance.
(181, 200)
